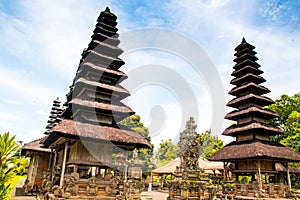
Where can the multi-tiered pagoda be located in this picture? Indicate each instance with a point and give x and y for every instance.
(40, 157)
(253, 153)
(55, 115)
(87, 135)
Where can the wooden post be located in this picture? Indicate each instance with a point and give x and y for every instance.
(62, 173)
(53, 165)
(224, 173)
(161, 182)
(150, 184)
(50, 160)
(259, 176)
(288, 176)
(30, 171)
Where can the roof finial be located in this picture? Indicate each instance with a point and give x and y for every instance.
(107, 9)
(244, 40)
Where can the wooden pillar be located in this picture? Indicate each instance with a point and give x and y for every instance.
(50, 160)
(30, 171)
(150, 184)
(53, 164)
(259, 175)
(288, 176)
(161, 181)
(62, 174)
(225, 173)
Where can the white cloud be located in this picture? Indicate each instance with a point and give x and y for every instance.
(48, 38)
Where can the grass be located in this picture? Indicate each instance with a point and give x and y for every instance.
(16, 180)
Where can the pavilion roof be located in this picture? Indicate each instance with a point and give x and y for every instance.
(86, 131)
(35, 146)
(204, 164)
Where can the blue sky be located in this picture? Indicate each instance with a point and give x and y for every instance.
(41, 42)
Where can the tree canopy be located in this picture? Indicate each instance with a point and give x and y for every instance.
(166, 152)
(288, 109)
(8, 147)
(209, 143)
(134, 123)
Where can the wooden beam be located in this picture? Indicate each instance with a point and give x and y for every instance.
(62, 173)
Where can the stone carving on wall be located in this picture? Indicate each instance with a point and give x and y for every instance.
(71, 181)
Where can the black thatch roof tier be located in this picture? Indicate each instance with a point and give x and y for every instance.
(250, 99)
(251, 111)
(105, 60)
(249, 88)
(245, 63)
(106, 14)
(255, 149)
(82, 82)
(114, 41)
(84, 131)
(93, 105)
(245, 56)
(252, 127)
(105, 49)
(244, 51)
(244, 45)
(92, 67)
(247, 78)
(245, 70)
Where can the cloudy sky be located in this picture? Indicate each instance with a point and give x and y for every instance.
(41, 42)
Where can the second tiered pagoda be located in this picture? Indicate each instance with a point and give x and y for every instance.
(253, 153)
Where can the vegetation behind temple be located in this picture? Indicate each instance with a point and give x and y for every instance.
(134, 123)
(10, 163)
(288, 109)
(167, 151)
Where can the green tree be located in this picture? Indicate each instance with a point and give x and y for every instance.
(134, 123)
(209, 143)
(166, 152)
(8, 147)
(288, 109)
(20, 164)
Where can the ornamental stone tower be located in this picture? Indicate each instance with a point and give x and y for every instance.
(189, 181)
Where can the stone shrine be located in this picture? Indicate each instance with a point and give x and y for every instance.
(189, 181)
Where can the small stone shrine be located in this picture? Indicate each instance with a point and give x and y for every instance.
(189, 181)
(253, 153)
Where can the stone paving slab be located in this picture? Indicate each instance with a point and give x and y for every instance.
(154, 195)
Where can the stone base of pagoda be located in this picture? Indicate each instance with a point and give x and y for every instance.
(52, 197)
(251, 191)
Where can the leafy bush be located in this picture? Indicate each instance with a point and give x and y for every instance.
(8, 146)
